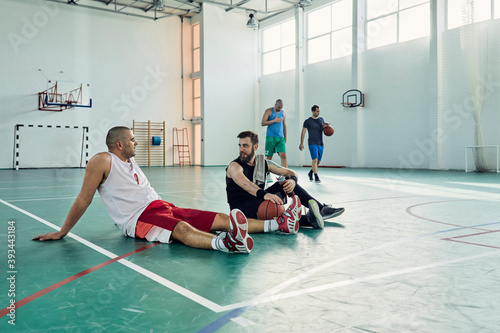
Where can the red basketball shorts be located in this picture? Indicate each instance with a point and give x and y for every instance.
(158, 220)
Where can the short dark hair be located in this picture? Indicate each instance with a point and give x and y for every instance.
(314, 107)
(115, 134)
(249, 134)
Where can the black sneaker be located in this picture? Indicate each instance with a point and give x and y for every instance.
(329, 212)
(316, 178)
(310, 174)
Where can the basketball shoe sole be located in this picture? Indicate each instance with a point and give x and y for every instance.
(237, 239)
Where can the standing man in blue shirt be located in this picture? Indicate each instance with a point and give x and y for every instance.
(275, 120)
(314, 125)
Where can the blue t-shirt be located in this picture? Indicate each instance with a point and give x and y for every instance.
(276, 129)
(315, 130)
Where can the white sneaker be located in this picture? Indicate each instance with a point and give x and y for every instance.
(237, 239)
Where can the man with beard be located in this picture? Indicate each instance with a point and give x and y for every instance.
(139, 212)
(245, 180)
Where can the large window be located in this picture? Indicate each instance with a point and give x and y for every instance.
(466, 12)
(196, 97)
(329, 32)
(196, 47)
(278, 48)
(392, 21)
(196, 69)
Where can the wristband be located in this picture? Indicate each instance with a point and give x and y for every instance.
(261, 194)
(295, 179)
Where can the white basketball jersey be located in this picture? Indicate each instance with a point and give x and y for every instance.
(126, 193)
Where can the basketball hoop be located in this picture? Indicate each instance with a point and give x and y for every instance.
(352, 99)
(62, 95)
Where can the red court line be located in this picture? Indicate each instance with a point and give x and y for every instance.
(484, 245)
(453, 239)
(44, 291)
(480, 233)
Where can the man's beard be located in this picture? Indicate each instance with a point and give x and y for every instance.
(129, 153)
(248, 158)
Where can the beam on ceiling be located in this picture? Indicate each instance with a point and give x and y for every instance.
(243, 8)
(130, 4)
(237, 4)
(63, 2)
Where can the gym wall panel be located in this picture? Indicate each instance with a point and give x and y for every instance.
(455, 114)
(132, 65)
(395, 79)
(324, 84)
(229, 82)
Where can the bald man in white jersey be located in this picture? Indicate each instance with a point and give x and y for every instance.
(139, 212)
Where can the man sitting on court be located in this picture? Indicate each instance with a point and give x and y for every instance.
(139, 212)
(246, 177)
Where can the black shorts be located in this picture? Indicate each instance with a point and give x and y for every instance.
(250, 207)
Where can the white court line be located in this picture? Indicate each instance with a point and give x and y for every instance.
(328, 264)
(478, 184)
(273, 298)
(267, 294)
(97, 196)
(270, 295)
(42, 199)
(45, 199)
(153, 276)
(37, 187)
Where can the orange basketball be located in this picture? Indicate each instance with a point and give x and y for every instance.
(268, 210)
(328, 130)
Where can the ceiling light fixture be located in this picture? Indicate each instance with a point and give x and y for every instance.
(305, 3)
(158, 5)
(252, 23)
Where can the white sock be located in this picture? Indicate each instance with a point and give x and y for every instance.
(270, 225)
(218, 244)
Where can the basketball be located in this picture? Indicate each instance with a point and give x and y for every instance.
(268, 210)
(328, 130)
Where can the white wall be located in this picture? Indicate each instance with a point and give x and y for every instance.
(416, 114)
(455, 109)
(395, 79)
(324, 84)
(134, 68)
(132, 64)
(229, 82)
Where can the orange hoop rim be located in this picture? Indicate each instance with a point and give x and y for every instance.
(347, 105)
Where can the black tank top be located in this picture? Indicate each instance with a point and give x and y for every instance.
(235, 193)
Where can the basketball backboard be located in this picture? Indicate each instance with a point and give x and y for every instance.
(353, 98)
(61, 95)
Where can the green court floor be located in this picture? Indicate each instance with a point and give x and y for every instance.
(415, 251)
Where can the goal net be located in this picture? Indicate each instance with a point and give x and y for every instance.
(39, 146)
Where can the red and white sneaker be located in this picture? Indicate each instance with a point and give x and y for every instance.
(237, 239)
(288, 223)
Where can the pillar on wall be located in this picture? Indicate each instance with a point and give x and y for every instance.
(299, 71)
